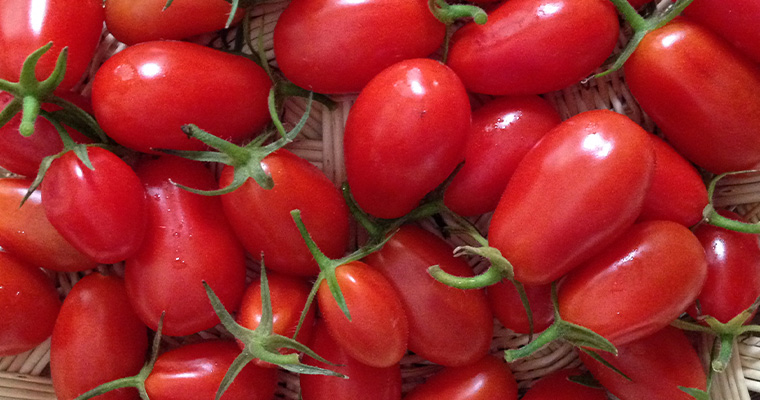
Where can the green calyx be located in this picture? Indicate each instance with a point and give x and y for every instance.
(712, 217)
(448, 14)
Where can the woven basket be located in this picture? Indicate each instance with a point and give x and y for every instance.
(26, 376)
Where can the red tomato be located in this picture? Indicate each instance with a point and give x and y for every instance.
(509, 310)
(735, 21)
(133, 21)
(534, 46)
(378, 332)
(364, 382)
(502, 132)
(701, 93)
(487, 379)
(593, 171)
(447, 326)
(27, 25)
(637, 285)
(405, 135)
(30, 306)
(657, 365)
(195, 371)
(261, 218)
(102, 212)
(144, 94)
(26, 232)
(186, 242)
(558, 386)
(357, 40)
(97, 338)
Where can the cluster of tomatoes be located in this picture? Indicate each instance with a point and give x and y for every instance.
(608, 267)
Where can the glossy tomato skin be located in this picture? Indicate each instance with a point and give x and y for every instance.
(365, 382)
(195, 371)
(186, 242)
(735, 21)
(378, 332)
(508, 309)
(143, 95)
(433, 308)
(557, 386)
(534, 46)
(701, 93)
(102, 212)
(657, 365)
(357, 40)
(97, 338)
(502, 132)
(486, 379)
(405, 135)
(593, 170)
(30, 305)
(261, 218)
(27, 25)
(638, 284)
(26, 232)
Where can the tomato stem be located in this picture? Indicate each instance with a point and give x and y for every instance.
(725, 351)
(712, 217)
(93, 130)
(448, 13)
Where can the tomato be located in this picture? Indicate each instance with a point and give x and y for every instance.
(489, 378)
(27, 233)
(637, 285)
(30, 306)
(558, 386)
(132, 22)
(102, 211)
(593, 171)
(195, 371)
(186, 242)
(97, 338)
(735, 21)
(534, 46)
(701, 93)
(405, 135)
(261, 218)
(448, 326)
(657, 365)
(357, 40)
(508, 309)
(364, 382)
(378, 332)
(143, 95)
(27, 25)
(502, 132)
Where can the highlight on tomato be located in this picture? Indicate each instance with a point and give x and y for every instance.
(486, 379)
(559, 386)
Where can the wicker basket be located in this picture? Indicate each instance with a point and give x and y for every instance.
(26, 376)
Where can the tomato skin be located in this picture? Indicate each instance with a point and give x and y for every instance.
(97, 338)
(100, 212)
(143, 95)
(433, 308)
(378, 332)
(557, 386)
(701, 93)
(186, 242)
(357, 40)
(534, 46)
(657, 364)
(508, 309)
(638, 284)
(489, 378)
(502, 132)
(405, 135)
(27, 25)
(195, 371)
(594, 170)
(262, 221)
(29, 308)
(735, 21)
(26, 232)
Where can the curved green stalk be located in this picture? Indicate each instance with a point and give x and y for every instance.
(712, 217)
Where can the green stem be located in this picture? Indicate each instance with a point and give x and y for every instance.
(490, 277)
(236, 153)
(712, 217)
(726, 344)
(94, 131)
(290, 89)
(637, 22)
(29, 115)
(368, 223)
(448, 14)
(551, 333)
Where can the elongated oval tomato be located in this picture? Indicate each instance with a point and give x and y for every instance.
(432, 308)
(701, 93)
(638, 285)
(404, 135)
(593, 171)
(508, 308)
(735, 21)
(378, 33)
(486, 379)
(186, 242)
(558, 386)
(534, 46)
(97, 338)
(143, 95)
(30, 306)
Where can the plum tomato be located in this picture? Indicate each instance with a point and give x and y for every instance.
(486, 379)
(558, 386)
(508, 308)
(735, 21)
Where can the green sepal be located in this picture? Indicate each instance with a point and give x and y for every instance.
(698, 394)
(586, 379)
(167, 5)
(598, 357)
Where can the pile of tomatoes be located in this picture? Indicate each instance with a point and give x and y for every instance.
(601, 234)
